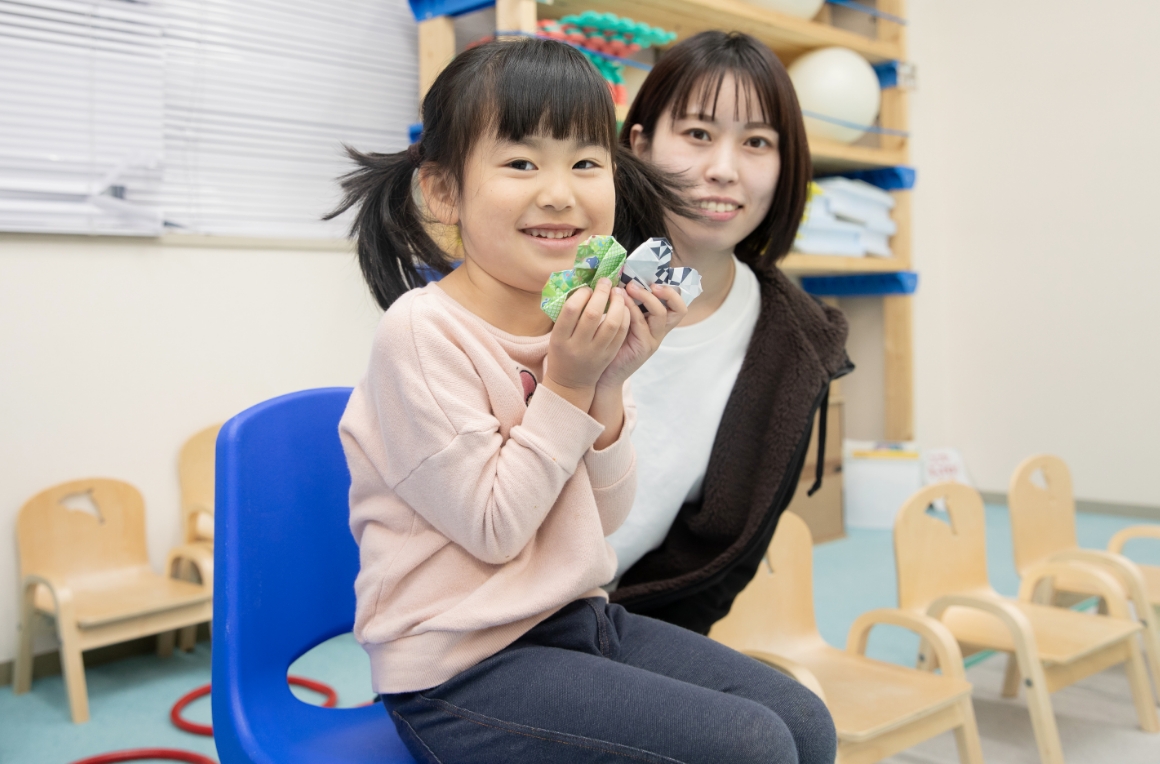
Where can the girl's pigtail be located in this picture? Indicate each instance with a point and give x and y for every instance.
(643, 195)
(388, 225)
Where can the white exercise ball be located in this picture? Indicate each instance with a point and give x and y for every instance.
(840, 84)
(803, 9)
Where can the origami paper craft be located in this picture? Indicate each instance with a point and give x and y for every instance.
(649, 264)
(603, 257)
(599, 257)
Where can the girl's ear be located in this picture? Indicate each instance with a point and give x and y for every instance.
(639, 143)
(438, 196)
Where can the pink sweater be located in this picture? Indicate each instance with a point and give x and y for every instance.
(477, 515)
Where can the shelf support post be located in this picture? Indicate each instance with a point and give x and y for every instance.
(436, 49)
(515, 16)
(898, 346)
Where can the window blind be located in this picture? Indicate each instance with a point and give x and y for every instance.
(80, 116)
(259, 97)
(195, 116)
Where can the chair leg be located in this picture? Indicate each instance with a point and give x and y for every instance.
(1155, 662)
(186, 570)
(72, 663)
(967, 735)
(165, 643)
(1141, 688)
(22, 678)
(1042, 714)
(1011, 678)
(187, 638)
(1151, 637)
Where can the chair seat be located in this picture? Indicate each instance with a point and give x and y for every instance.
(1062, 636)
(132, 594)
(868, 698)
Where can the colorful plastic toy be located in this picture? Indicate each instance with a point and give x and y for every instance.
(604, 35)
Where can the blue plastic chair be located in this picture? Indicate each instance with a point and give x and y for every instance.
(285, 566)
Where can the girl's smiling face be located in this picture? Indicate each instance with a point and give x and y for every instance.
(731, 159)
(524, 207)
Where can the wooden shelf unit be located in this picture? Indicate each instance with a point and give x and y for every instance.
(834, 157)
(836, 265)
(788, 36)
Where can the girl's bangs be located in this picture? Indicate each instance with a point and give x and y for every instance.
(553, 92)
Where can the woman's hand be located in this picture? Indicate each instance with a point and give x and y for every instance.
(585, 340)
(645, 331)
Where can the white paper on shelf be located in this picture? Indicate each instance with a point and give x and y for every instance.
(857, 210)
(831, 238)
(859, 188)
(876, 244)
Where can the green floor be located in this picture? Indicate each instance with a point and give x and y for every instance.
(130, 699)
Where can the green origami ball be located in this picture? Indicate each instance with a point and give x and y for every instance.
(599, 257)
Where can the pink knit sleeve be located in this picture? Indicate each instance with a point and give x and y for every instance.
(444, 452)
(612, 472)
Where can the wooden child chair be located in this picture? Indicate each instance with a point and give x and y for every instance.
(92, 574)
(195, 468)
(193, 560)
(942, 570)
(1043, 530)
(879, 708)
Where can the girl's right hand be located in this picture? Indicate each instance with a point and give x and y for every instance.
(584, 341)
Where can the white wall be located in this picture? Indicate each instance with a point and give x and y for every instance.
(112, 353)
(1035, 137)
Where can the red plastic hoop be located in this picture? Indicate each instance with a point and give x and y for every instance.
(139, 754)
(205, 729)
(183, 724)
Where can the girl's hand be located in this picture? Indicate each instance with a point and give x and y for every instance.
(584, 341)
(646, 331)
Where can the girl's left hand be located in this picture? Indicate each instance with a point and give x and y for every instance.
(645, 330)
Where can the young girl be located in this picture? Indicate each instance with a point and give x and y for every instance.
(489, 450)
(755, 351)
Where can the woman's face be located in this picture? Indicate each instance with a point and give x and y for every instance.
(731, 158)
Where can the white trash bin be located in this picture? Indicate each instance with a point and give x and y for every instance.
(878, 478)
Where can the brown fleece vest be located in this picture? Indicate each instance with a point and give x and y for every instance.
(714, 546)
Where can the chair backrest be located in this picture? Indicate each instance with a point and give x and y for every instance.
(65, 543)
(933, 556)
(1042, 518)
(775, 612)
(195, 473)
(285, 564)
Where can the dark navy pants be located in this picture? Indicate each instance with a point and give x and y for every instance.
(595, 683)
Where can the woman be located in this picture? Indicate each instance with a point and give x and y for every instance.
(726, 405)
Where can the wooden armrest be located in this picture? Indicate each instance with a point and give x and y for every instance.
(1116, 545)
(1016, 623)
(61, 592)
(932, 632)
(203, 525)
(1127, 573)
(196, 554)
(1108, 587)
(1022, 635)
(790, 668)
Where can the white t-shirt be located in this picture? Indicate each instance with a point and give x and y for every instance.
(680, 394)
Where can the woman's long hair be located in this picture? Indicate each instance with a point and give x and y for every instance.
(689, 77)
